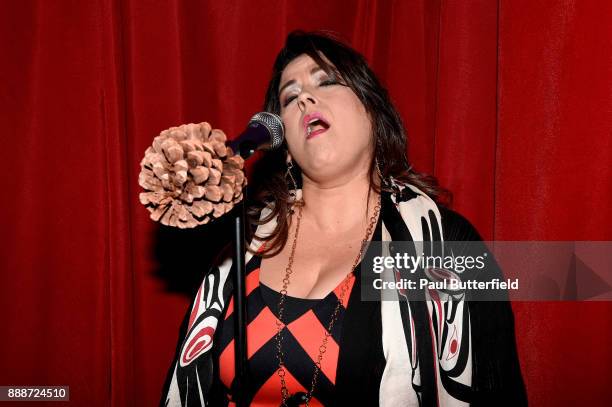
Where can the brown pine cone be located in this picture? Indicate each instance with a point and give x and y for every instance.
(190, 176)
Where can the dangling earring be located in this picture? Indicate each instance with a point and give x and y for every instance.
(291, 185)
(289, 178)
(383, 181)
(378, 168)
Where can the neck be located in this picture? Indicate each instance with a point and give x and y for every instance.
(340, 206)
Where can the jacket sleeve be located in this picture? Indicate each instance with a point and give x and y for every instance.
(496, 373)
(190, 375)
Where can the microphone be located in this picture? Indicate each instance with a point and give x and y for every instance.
(265, 131)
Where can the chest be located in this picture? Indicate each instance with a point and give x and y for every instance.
(319, 264)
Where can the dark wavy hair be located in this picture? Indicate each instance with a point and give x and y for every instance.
(269, 184)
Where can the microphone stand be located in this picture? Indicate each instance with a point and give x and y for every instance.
(265, 131)
(240, 342)
(246, 150)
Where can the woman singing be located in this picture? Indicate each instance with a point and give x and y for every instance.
(341, 180)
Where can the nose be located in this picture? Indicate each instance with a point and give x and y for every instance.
(305, 97)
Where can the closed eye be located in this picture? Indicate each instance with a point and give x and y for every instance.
(333, 80)
(288, 100)
(329, 82)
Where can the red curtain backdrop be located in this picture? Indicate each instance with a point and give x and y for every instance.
(507, 102)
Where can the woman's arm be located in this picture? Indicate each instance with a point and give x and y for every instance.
(496, 373)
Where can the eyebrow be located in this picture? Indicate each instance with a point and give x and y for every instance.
(316, 68)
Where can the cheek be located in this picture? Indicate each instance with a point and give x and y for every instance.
(293, 133)
(356, 121)
(289, 121)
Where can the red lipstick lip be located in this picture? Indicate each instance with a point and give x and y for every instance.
(315, 133)
(309, 117)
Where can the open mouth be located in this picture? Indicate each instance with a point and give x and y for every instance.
(316, 126)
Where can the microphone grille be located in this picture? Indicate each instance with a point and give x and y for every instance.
(275, 126)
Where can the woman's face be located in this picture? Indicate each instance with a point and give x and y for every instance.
(327, 128)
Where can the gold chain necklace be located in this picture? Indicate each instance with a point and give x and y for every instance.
(281, 305)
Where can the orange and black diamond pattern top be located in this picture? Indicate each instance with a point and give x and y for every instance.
(305, 324)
